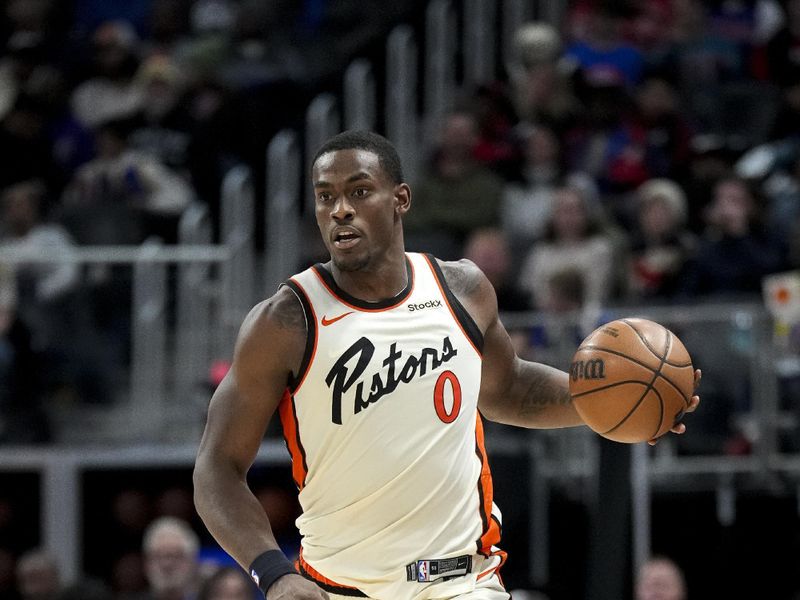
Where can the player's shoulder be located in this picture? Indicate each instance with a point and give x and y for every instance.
(463, 277)
(280, 313)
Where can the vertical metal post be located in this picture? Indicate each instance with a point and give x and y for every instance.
(515, 14)
(479, 42)
(402, 121)
(237, 233)
(640, 505)
(284, 199)
(193, 312)
(60, 514)
(440, 66)
(322, 122)
(539, 523)
(359, 95)
(149, 339)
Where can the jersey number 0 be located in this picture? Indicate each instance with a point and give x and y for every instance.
(438, 397)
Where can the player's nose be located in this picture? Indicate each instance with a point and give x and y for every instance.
(342, 209)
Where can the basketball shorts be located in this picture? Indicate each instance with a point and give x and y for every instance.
(489, 588)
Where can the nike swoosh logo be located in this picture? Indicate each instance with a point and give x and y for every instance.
(326, 322)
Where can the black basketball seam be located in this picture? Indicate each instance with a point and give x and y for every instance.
(607, 387)
(653, 350)
(649, 385)
(641, 364)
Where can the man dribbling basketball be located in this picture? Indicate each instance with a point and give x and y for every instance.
(378, 363)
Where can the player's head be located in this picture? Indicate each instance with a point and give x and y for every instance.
(360, 197)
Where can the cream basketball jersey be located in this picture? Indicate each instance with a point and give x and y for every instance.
(387, 443)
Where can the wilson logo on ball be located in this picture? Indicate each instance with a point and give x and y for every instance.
(588, 369)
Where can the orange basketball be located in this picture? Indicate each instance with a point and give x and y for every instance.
(631, 380)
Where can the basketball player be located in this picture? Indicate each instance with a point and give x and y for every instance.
(378, 363)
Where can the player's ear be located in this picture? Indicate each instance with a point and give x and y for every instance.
(402, 198)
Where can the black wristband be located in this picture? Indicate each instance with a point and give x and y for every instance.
(268, 567)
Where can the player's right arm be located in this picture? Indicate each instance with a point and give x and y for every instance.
(268, 350)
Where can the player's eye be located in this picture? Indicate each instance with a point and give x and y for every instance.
(324, 197)
(360, 192)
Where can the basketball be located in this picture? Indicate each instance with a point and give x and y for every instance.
(631, 380)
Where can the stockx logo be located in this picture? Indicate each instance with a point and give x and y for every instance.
(423, 305)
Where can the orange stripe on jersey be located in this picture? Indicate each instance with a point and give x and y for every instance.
(491, 528)
(450, 308)
(337, 588)
(361, 308)
(291, 434)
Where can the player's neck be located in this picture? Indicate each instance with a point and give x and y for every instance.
(383, 280)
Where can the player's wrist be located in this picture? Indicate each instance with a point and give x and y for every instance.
(268, 567)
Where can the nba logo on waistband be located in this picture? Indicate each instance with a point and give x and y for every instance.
(423, 570)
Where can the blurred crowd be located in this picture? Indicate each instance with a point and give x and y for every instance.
(144, 543)
(638, 153)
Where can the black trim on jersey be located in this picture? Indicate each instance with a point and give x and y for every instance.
(311, 334)
(357, 302)
(467, 322)
(333, 589)
(481, 498)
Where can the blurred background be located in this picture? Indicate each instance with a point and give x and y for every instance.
(596, 159)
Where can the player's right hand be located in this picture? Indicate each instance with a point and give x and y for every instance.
(295, 587)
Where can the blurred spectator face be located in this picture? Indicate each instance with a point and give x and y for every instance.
(542, 147)
(113, 47)
(731, 208)
(20, 204)
(170, 562)
(570, 220)
(131, 510)
(656, 218)
(650, 27)
(459, 135)
(161, 81)
(37, 576)
(230, 586)
(660, 579)
(489, 250)
(656, 99)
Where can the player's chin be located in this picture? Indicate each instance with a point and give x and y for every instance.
(346, 261)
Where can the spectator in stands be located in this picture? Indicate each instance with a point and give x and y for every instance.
(603, 57)
(164, 130)
(228, 583)
(667, 132)
(456, 195)
(528, 203)
(733, 254)
(47, 290)
(123, 196)
(21, 418)
(660, 578)
(575, 239)
(38, 576)
(170, 552)
(24, 145)
(113, 90)
(541, 86)
(489, 249)
(660, 245)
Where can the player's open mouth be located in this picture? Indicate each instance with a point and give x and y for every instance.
(346, 239)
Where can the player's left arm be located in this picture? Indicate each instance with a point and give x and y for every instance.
(515, 391)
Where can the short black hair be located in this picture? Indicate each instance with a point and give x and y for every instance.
(371, 142)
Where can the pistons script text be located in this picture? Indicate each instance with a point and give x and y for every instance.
(347, 371)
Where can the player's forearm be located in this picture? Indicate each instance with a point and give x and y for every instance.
(538, 397)
(230, 511)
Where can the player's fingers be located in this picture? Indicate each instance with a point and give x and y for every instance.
(693, 404)
(679, 428)
(698, 374)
